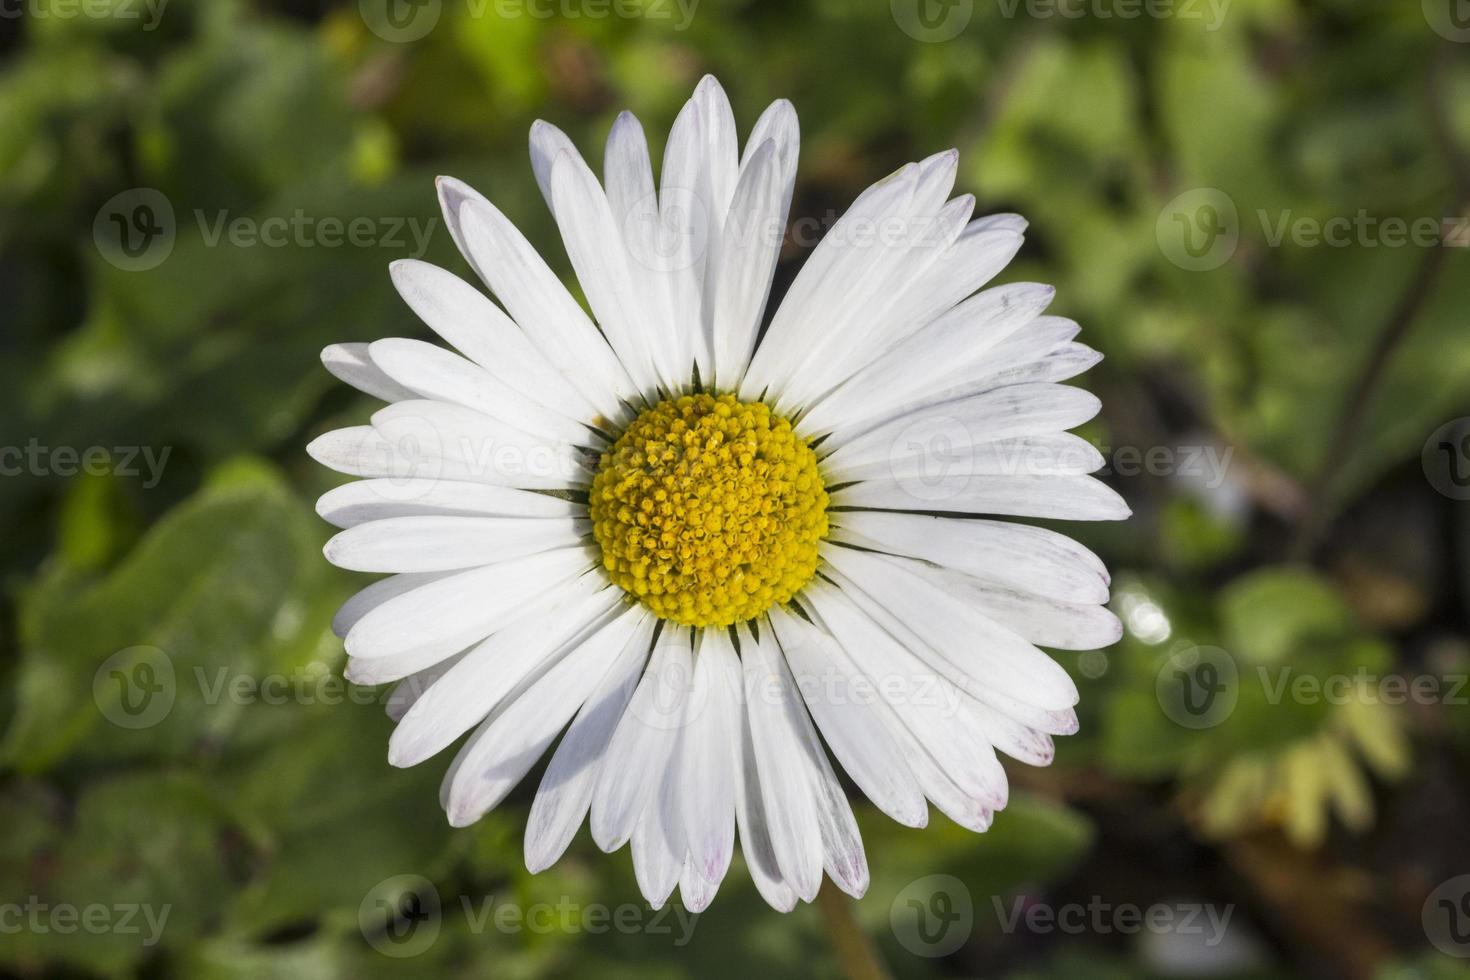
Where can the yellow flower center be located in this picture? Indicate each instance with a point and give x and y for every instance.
(709, 509)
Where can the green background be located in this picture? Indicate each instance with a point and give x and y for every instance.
(1157, 156)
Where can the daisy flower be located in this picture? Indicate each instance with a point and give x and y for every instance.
(707, 555)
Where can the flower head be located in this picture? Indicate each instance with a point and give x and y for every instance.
(688, 547)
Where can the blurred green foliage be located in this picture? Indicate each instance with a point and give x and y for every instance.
(262, 814)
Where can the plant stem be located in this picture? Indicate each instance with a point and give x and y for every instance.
(854, 948)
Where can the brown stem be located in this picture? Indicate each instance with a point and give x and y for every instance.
(1393, 333)
(855, 951)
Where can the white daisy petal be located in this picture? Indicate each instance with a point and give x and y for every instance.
(755, 835)
(1065, 498)
(439, 374)
(833, 282)
(739, 281)
(778, 123)
(595, 245)
(359, 450)
(1019, 556)
(657, 844)
(1061, 364)
(374, 595)
(686, 231)
(448, 614)
(441, 544)
(921, 689)
(547, 144)
(643, 744)
(838, 696)
(428, 439)
(566, 790)
(721, 150)
(793, 820)
(1005, 413)
(374, 500)
(492, 668)
(1042, 620)
(407, 691)
(1013, 738)
(696, 891)
(628, 175)
(541, 305)
(842, 846)
(351, 363)
(951, 346)
(711, 756)
(476, 327)
(519, 731)
(909, 244)
(990, 653)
